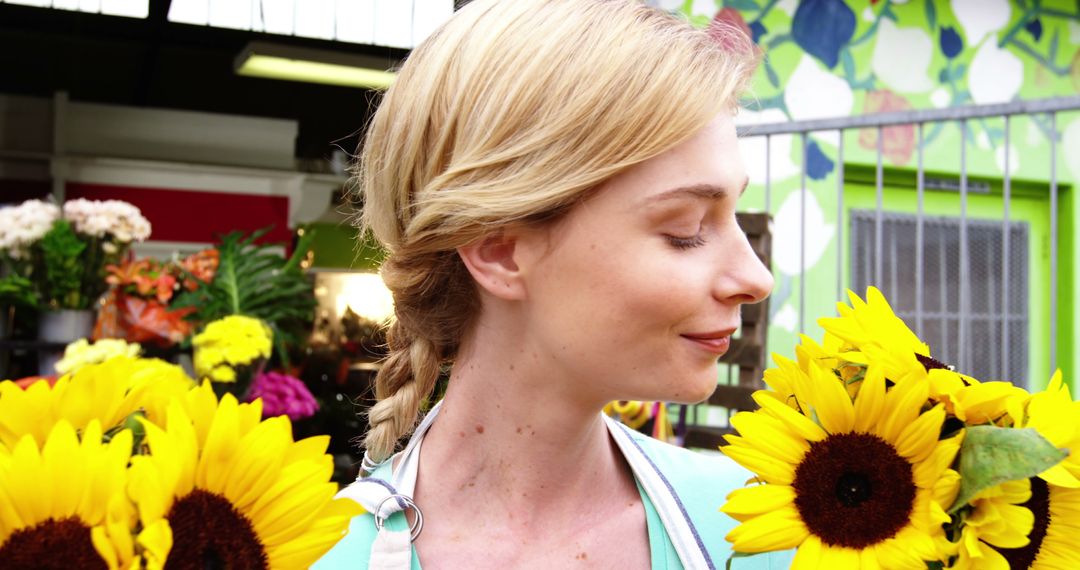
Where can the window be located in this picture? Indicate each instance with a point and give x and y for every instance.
(982, 355)
(394, 23)
(128, 8)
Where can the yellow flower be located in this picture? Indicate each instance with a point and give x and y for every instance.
(81, 353)
(108, 393)
(850, 484)
(235, 488)
(871, 329)
(1048, 516)
(1055, 415)
(997, 520)
(64, 501)
(230, 342)
(971, 401)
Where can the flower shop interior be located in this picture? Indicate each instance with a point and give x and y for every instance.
(175, 199)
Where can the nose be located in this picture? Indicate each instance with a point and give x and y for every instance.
(746, 279)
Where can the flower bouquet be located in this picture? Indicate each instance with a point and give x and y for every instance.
(870, 453)
(232, 351)
(63, 253)
(127, 464)
(138, 307)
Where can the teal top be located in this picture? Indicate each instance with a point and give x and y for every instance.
(682, 492)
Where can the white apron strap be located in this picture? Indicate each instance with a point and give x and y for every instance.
(680, 529)
(392, 548)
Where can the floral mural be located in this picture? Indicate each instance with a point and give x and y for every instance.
(835, 58)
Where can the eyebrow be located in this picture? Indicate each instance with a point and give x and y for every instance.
(706, 191)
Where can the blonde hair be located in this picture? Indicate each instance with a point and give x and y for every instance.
(512, 112)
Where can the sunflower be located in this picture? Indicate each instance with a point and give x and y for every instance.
(108, 392)
(1055, 415)
(233, 490)
(849, 483)
(872, 332)
(63, 505)
(1055, 494)
(996, 519)
(971, 401)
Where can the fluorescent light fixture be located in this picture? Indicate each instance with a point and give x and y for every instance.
(273, 61)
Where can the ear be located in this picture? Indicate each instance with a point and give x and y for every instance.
(491, 262)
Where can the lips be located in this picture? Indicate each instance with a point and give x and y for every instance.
(716, 342)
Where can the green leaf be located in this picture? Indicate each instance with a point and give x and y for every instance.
(849, 64)
(931, 14)
(742, 5)
(771, 74)
(992, 455)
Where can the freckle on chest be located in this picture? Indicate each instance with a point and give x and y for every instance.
(479, 428)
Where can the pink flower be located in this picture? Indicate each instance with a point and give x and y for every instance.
(283, 395)
(899, 140)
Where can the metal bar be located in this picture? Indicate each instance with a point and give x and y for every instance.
(943, 292)
(1053, 240)
(920, 189)
(768, 174)
(840, 218)
(1049, 105)
(879, 220)
(1006, 197)
(802, 239)
(963, 292)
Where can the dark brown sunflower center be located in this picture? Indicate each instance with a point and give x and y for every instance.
(210, 534)
(930, 363)
(51, 545)
(1039, 505)
(853, 490)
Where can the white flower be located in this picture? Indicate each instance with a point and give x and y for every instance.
(780, 164)
(109, 218)
(901, 58)
(23, 225)
(787, 225)
(995, 76)
(981, 17)
(813, 92)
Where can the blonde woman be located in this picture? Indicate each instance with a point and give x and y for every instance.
(556, 183)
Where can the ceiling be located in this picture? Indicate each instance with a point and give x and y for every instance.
(156, 63)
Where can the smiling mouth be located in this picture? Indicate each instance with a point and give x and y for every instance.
(717, 345)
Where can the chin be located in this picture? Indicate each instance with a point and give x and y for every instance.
(691, 393)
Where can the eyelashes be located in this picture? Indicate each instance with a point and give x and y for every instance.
(686, 242)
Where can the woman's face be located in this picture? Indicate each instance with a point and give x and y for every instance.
(639, 287)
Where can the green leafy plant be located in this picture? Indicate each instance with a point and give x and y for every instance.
(17, 291)
(255, 281)
(60, 266)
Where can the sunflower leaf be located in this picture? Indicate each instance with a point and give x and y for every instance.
(992, 455)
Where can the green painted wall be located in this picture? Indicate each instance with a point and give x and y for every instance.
(828, 58)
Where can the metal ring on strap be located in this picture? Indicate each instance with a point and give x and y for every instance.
(417, 525)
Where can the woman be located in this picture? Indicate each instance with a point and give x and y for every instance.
(555, 181)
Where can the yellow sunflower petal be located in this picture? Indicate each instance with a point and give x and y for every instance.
(808, 556)
(770, 435)
(831, 401)
(902, 404)
(778, 530)
(769, 468)
(757, 499)
(800, 424)
(870, 401)
(917, 440)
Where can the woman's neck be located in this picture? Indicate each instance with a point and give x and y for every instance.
(511, 432)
